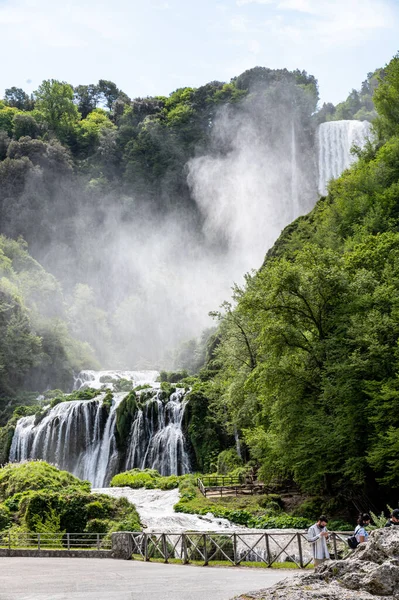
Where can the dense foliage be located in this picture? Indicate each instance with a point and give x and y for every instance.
(36, 496)
(307, 364)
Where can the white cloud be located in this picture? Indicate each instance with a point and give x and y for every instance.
(299, 5)
(239, 23)
(254, 47)
(57, 25)
(328, 22)
(243, 2)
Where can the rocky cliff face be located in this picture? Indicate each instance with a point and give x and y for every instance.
(370, 573)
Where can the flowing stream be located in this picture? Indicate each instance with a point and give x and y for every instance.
(157, 515)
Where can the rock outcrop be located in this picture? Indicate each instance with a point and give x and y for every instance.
(371, 572)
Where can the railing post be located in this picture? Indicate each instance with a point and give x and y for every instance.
(205, 551)
(184, 548)
(164, 548)
(68, 542)
(38, 541)
(145, 547)
(298, 537)
(269, 557)
(334, 536)
(9, 541)
(235, 548)
(98, 541)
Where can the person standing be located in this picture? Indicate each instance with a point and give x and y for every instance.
(360, 532)
(317, 536)
(394, 518)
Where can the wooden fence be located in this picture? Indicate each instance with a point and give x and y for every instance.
(226, 485)
(234, 548)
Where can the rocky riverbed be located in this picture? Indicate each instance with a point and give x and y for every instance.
(371, 572)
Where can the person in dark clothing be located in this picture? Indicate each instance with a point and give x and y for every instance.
(394, 519)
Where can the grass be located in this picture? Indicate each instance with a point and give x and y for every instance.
(253, 504)
(224, 563)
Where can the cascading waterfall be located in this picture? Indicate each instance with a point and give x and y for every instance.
(79, 435)
(156, 438)
(335, 140)
(296, 208)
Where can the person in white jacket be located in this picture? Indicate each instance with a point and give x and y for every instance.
(317, 536)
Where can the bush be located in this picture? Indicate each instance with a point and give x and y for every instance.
(227, 461)
(5, 518)
(131, 523)
(37, 475)
(60, 503)
(282, 522)
(149, 479)
(98, 509)
(311, 508)
(97, 526)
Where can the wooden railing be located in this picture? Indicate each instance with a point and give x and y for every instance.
(225, 484)
(234, 548)
(221, 480)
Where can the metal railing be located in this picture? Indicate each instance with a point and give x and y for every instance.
(233, 548)
(55, 541)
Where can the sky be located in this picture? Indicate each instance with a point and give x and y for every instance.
(152, 47)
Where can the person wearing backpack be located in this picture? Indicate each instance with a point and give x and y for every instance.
(360, 534)
(360, 531)
(317, 536)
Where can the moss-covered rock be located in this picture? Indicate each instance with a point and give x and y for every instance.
(125, 414)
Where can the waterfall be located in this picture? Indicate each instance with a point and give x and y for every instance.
(79, 435)
(335, 140)
(296, 209)
(156, 439)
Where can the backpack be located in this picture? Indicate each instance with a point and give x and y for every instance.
(352, 540)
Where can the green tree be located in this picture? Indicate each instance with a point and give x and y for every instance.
(386, 99)
(54, 99)
(17, 98)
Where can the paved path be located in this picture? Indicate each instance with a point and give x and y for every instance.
(108, 579)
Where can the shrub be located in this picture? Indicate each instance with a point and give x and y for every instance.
(227, 461)
(311, 508)
(5, 519)
(149, 479)
(98, 509)
(37, 475)
(97, 526)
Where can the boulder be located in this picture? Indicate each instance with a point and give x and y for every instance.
(371, 572)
